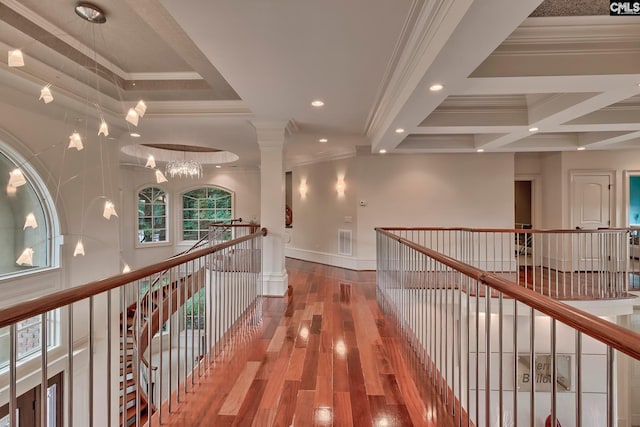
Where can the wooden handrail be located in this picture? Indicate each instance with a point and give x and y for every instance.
(504, 230)
(27, 309)
(622, 339)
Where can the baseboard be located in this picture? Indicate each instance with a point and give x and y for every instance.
(341, 261)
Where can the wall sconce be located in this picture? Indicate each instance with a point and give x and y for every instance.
(303, 188)
(340, 186)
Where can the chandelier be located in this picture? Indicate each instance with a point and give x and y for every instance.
(184, 169)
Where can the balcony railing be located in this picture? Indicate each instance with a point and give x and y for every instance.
(563, 264)
(152, 333)
(499, 353)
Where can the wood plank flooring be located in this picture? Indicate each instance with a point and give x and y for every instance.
(325, 356)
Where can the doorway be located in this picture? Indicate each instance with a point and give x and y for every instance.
(523, 201)
(28, 406)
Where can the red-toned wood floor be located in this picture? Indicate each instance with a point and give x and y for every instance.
(327, 356)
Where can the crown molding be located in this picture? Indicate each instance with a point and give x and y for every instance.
(418, 54)
(319, 159)
(186, 75)
(227, 109)
(575, 29)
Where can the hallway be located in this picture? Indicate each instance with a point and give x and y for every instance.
(327, 356)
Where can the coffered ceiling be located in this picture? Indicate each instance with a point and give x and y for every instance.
(209, 68)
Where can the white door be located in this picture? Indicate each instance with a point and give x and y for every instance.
(590, 210)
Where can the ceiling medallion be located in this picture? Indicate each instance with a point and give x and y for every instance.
(90, 12)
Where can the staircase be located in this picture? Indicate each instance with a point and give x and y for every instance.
(150, 307)
(128, 378)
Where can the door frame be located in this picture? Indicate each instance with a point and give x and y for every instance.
(612, 195)
(536, 196)
(627, 173)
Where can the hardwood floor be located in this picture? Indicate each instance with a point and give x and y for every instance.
(325, 356)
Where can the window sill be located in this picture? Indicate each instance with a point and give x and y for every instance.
(139, 245)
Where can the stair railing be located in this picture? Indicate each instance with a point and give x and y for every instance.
(89, 344)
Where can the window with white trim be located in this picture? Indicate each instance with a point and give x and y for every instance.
(203, 207)
(152, 215)
(27, 216)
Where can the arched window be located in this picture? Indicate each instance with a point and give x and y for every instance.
(152, 215)
(201, 208)
(27, 218)
(29, 243)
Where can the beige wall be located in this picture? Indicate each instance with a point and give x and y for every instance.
(616, 161)
(243, 183)
(78, 181)
(398, 190)
(318, 215)
(554, 170)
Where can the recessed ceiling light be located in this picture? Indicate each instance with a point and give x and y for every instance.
(480, 150)
(581, 148)
(399, 130)
(218, 166)
(323, 140)
(317, 103)
(90, 12)
(382, 151)
(533, 129)
(134, 135)
(436, 87)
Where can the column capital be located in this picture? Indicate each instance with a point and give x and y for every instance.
(272, 133)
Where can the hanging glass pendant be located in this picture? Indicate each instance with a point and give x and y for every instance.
(79, 250)
(26, 258)
(30, 221)
(160, 178)
(151, 162)
(16, 178)
(126, 269)
(15, 58)
(141, 108)
(45, 94)
(75, 141)
(132, 117)
(109, 210)
(104, 129)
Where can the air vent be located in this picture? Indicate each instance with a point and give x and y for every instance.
(344, 242)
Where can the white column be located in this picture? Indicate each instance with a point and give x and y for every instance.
(272, 199)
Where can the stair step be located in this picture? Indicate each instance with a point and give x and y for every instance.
(131, 412)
